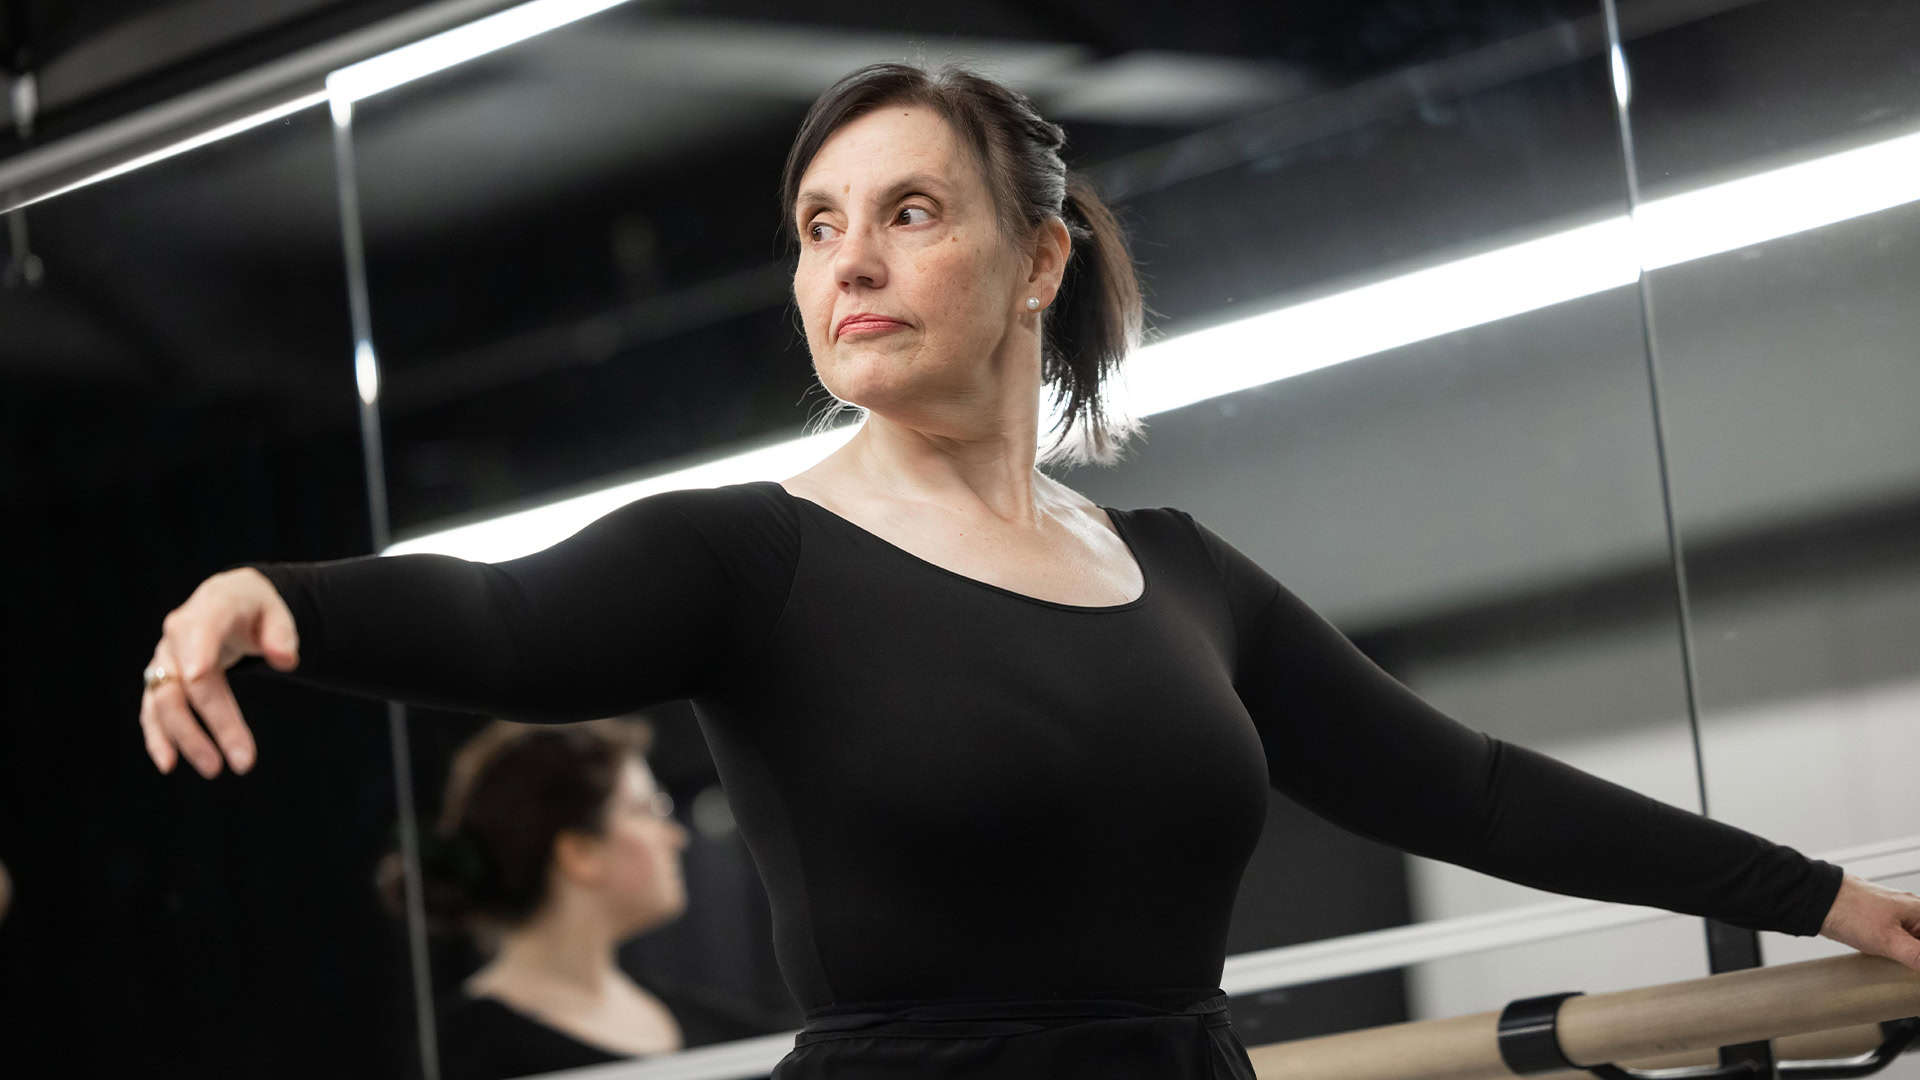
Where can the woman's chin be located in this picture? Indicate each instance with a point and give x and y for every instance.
(654, 920)
(877, 374)
(668, 909)
(900, 399)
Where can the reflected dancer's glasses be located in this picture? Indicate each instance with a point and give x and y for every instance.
(660, 805)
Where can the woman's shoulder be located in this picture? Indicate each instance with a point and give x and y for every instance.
(748, 531)
(706, 1017)
(761, 505)
(482, 1019)
(482, 1037)
(1183, 536)
(1171, 522)
(465, 1012)
(1160, 525)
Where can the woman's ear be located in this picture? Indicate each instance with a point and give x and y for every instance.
(577, 857)
(1052, 247)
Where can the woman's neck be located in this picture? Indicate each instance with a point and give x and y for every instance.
(566, 949)
(995, 474)
(562, 972)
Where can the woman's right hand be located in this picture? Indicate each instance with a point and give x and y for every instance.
(234, 614)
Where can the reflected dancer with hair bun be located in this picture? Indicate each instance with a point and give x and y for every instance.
(553, 846)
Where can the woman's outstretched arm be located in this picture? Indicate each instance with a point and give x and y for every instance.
(1350, 742)
(644, 605)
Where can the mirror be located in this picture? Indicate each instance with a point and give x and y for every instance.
(178, 395)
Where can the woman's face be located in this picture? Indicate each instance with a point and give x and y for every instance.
(909, 293)
(641, 847)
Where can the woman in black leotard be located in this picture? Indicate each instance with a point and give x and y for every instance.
(1000, 754)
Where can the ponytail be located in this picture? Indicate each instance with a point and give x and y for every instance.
(1091, 329)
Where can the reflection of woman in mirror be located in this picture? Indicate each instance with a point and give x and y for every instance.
(1001, 753)
(553, 846)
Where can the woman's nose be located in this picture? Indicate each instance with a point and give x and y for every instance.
(859, 260)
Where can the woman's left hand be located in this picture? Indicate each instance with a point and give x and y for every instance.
(1876, 920)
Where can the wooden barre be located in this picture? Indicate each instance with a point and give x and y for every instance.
(1846, 1042)
(1654, 1023)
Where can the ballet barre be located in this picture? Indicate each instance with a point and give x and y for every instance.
(1851, 999)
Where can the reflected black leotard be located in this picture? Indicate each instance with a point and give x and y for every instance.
(955, 790)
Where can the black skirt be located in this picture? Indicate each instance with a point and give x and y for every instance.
(1172, 1036)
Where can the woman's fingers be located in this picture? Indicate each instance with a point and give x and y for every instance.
(158, 748)
(174, 717)
(212, 698)
(1876, 920)
(231, 615)
(205, 649)
(1905, 943)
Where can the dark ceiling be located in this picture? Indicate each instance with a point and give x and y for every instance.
(100, 59)
(515, 144)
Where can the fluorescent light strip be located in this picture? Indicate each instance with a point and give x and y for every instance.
(357, 82)
(1374, 318)
(1779, 202)
(1359, 322)
(371, 76)
(531, 530)
(211, 135)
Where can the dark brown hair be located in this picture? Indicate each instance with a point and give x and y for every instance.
(512, 790)
(1096, 320)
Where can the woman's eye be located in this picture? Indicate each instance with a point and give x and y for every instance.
(818, 231)
(908, 212)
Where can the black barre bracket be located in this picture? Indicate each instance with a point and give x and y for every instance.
(1530, 1035)
(1530, 1044)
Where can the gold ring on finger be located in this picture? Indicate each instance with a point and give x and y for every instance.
(156, 676)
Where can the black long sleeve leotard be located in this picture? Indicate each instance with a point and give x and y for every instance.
(953, 789)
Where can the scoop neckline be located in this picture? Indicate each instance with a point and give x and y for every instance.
(1146, 576)
(540, 1021)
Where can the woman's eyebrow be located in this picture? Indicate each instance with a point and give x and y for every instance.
(815, 197)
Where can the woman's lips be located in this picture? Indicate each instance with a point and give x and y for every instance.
(863, 325)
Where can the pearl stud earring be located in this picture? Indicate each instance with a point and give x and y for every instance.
(1033, 303)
